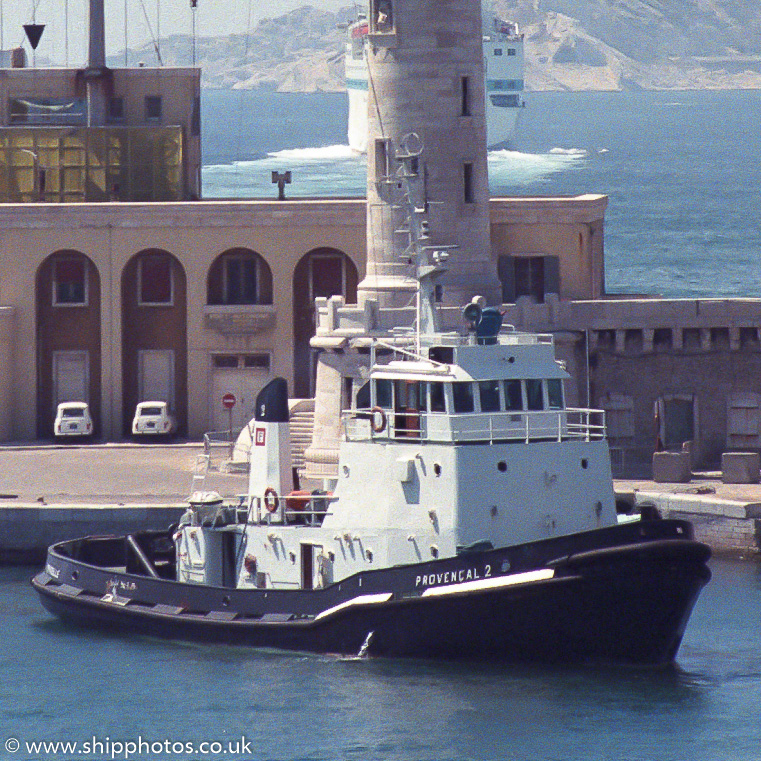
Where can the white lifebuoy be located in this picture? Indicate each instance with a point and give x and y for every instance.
(378, 424)
(271, 500)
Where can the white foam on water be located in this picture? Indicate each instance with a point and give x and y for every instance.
(511, 168)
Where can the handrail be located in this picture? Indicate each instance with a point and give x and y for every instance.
(568, 423)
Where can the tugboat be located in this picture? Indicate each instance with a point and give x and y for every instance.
(471, 516)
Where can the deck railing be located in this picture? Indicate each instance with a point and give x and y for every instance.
(558, 425)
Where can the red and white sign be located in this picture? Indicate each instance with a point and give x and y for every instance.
(260, 437)
(228, 401)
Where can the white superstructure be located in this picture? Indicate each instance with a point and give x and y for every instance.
(503, 67)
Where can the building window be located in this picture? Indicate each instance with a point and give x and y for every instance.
(195, 119)
(69, 282)
(154, 279)
(256, 361)
(246, 361)
(529, 277)
(239, 276)
(239, 280)
(467, 182)
(116, 109)
(497, 51)
(153, 108)
(511, 51)
(505, 101)
(744, 420)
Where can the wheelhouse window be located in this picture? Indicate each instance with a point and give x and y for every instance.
(513, 396)
(462, 395)
(383, 394)
(534, 397)
(555, 394)
(155, 279)
(489, 393)
(69, 282)
(438, 398)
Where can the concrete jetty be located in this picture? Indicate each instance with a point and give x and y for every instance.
(51, 492)
(727, 517)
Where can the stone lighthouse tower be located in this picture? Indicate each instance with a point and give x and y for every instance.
(426, 78)
(427, 138)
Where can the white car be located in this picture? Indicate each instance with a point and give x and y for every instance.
(153, 419)
(72, 419)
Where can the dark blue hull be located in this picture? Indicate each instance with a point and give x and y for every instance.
(618, 595)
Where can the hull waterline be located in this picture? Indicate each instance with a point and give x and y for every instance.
(626, 604)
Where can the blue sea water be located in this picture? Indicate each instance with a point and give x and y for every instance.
(682, 171)
(60, 683)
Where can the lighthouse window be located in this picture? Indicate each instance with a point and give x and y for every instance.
(462, 394)
(489, 391)
(382, 16)
(555, 394)
(513, 396)
(465, 96)
(534, 398)
(438, 403)
(467, 182)
(383, 393)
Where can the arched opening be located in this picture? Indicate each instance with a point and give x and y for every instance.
(239, 276)
(154, 334)
(67, 298)
(323, 272)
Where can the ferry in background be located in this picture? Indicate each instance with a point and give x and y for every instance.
(503, 67)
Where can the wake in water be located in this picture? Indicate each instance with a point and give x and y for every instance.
(511, 169)
(336, 170)
(333, 170)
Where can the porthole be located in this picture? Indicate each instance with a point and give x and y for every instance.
(74, 575)
(585, 463)
(226, 600)
(436, 469)
(502, 466)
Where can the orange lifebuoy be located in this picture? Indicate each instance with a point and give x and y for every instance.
(271, 500)
(378, 424)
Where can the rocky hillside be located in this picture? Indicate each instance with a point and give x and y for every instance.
(570, 45)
